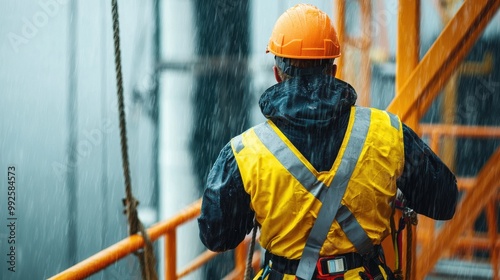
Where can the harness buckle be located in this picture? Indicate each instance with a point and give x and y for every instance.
(336, 265)
(332, 266)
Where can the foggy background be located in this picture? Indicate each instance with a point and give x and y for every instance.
(183, 98)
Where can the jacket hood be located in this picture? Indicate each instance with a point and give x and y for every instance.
(305, 101)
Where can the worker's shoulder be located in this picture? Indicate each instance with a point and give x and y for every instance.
(376, 110)
(237, 142)
(382, 115)
(258, 126)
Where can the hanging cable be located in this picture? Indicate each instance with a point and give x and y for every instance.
(146, 256)
(410, 219)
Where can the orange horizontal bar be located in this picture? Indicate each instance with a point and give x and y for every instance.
(240, 260)
(478, 68)
(478, 243)
(460, 130)
(126, 246)
(197, 263)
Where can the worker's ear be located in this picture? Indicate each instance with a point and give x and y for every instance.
(334, 70)
(277, 74)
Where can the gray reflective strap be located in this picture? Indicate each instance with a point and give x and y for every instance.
(289, 160)
(237, 143)
(334, 194)
(394, 120)
(353, 230)
(318, 234)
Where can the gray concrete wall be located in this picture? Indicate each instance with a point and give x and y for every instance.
(34, 130)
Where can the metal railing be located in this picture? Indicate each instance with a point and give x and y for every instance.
(166, 229)
(457, 238)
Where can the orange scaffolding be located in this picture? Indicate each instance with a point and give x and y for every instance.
(417, 85)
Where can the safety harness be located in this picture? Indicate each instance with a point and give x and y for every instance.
(368, 256)
(407, 219)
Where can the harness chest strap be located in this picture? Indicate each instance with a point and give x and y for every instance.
(329, 196)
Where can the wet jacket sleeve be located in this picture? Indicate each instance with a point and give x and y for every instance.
(226, 216)
(426, 182)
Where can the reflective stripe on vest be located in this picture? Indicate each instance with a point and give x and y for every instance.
(329, 196)
(289, 160)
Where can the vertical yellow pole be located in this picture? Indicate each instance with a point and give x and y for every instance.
(365, 63)
(448, 117)
(407, 49)
(407, 57)
(340, 5)
(240, 254)
(357, 55)
(170, 255)
(446, 9)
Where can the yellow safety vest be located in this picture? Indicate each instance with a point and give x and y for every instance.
(287, 192)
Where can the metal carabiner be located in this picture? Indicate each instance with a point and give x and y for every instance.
(410, 216)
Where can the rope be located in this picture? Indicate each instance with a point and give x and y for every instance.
(249, 267)
(396, 242)
(411, 220)
(409, 241)
(146, 256)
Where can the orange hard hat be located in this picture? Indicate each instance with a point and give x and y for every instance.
(304, 32)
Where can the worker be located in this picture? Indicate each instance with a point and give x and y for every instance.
(320, 175)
